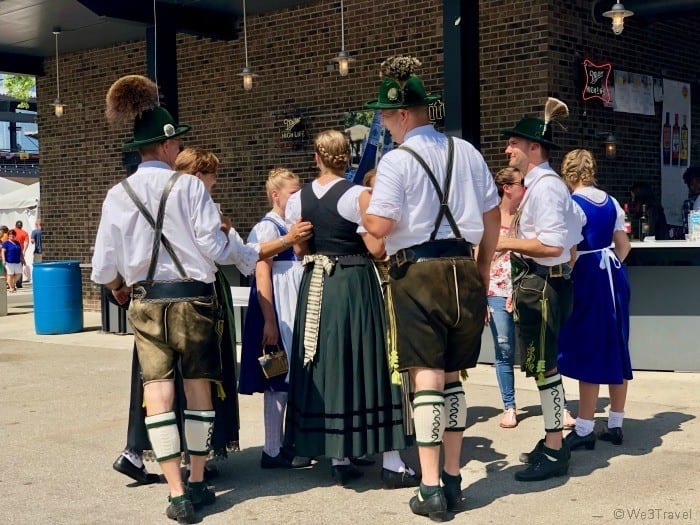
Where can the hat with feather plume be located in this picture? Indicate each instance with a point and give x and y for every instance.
(401, 87)
(134, 98)
(540, 129)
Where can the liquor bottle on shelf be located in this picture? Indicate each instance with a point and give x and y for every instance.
(644, 230)
(684, 142)
(666, 140)
(675, 142)
(628, 222)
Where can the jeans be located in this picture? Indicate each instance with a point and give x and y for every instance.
(503, 332)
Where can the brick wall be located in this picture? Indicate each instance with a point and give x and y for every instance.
(528, 50)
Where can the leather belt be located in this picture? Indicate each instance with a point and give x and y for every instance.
(171, 291)
(558, 270)
(443, 248)
(347, 260)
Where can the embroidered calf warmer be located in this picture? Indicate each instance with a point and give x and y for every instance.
(552, 399)
(429, 417)
(164, 435)
(455, 407)
(199, 425)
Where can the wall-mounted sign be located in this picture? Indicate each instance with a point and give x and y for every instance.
(436, 112)
(293, 131)
(596, 80)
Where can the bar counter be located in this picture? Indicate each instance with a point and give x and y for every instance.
(664, 310)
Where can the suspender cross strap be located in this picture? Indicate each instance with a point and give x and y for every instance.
(157, 225)
(443, 196)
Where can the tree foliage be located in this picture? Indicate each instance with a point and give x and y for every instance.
(19, 87)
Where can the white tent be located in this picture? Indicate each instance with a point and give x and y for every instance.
(8, 186)
(21, 205)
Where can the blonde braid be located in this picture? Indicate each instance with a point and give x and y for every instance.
(333, 149)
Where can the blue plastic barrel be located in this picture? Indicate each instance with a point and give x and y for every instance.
(58, 297)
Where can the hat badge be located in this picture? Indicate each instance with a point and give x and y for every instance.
(168, 130)
(392, 94)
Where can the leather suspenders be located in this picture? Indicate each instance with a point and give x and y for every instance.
(157, 225)
(443, 195)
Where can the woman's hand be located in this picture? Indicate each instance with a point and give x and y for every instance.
(271, 334)
(299, 232)
(509, 304)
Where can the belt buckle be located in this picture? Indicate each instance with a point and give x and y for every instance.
(403, 257)
(556, 270)
(138, 292)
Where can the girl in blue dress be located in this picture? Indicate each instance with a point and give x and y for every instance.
(594, 344)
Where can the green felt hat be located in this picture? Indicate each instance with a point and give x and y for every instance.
(533, 129)
(155, 125)
(394, 95)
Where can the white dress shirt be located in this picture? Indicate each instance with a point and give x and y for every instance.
(403, 192)
(191, 223)
(548, 214)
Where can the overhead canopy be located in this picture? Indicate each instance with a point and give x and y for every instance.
(8, 186)
(21, 198)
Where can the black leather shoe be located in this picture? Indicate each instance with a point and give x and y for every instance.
(362, 461)
(574, 441)
(278, 461)
(453, 494)
(141, 475)
(182, 512)
(398, 480)
(343, 474)
(614, 435)
(526, 456)
(540, 467)
(435, 507)
(200, 494)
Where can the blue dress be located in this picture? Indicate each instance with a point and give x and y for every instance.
(594, 343)
(251, 378)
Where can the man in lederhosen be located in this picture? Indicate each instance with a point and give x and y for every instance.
(546, 232)
(434, 199)
(159, 238)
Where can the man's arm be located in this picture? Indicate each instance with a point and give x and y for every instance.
(487, 247)
(530, 247)
(378, 227)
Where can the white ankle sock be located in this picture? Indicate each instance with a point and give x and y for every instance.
(584, 426)
(133, 457)
(391, 460)
(615, 419)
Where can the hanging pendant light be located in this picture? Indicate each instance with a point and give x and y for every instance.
(618, 13)
(247, 73)
(343, 58)
(57, 106)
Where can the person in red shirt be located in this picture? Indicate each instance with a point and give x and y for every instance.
(22, 238)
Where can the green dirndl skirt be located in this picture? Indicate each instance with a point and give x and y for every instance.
(342, 404)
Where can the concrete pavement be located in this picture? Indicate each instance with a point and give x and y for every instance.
(64, 415)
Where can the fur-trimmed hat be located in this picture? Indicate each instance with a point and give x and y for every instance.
(135, 98)
(400, 87)
(539, 130)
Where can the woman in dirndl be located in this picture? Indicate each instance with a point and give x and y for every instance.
(342, 403)
(594, 344)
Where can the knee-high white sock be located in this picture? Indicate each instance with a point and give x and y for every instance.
(552, 399)
(274, 404)
(615, 419)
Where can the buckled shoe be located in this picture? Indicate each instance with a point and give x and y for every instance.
(200, 494)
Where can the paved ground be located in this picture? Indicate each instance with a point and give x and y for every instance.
(63, 421)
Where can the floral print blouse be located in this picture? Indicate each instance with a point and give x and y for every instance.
(500, 283)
